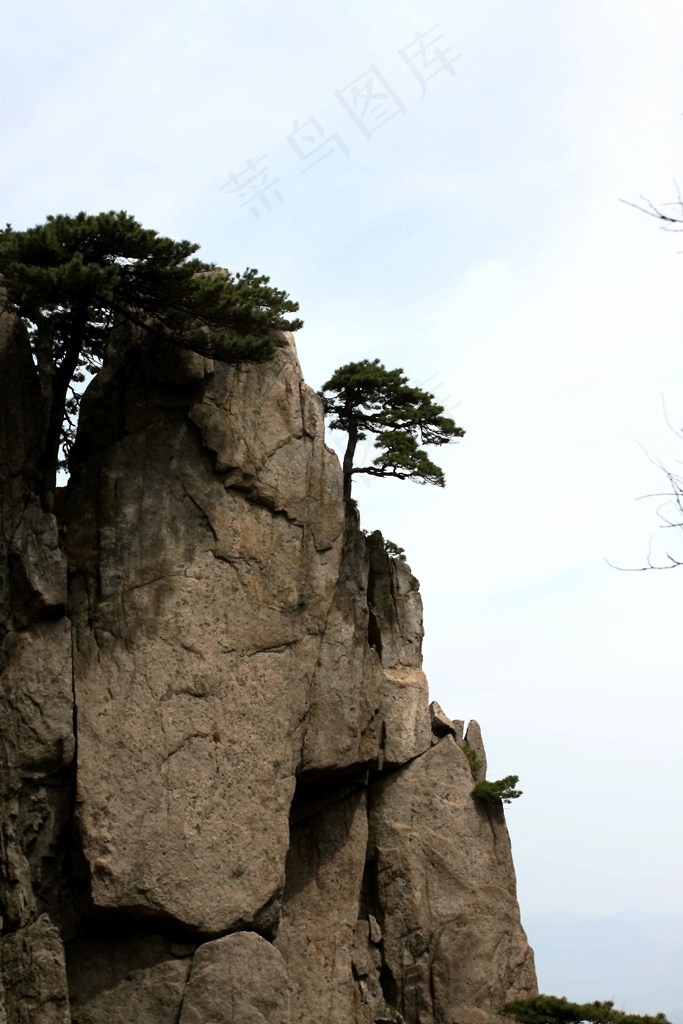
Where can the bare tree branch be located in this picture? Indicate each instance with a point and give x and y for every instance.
(674, 496)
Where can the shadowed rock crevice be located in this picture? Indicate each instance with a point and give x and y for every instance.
(129, 975)
(378, 990)
(323, 874)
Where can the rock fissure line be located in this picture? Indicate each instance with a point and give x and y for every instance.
(186, 741)
(205, 514)
(288, 645)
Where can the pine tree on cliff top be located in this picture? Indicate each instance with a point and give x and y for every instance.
(72, 279)
(365, 398)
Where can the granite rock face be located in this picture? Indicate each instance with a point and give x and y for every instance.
(224, 795)
(324, 871)
(452, 944)
(34, 975)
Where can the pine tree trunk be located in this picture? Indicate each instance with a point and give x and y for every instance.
(55, 380)
(347, 465)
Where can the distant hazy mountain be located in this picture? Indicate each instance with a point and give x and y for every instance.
(636, 959)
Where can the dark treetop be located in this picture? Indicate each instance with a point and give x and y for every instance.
(365, 398)
(75, 278)
(558, 1010)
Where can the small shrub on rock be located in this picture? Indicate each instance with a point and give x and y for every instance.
(494, 792)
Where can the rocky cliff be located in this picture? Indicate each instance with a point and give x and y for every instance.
(225, 797)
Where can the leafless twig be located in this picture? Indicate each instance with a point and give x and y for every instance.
(674, 494)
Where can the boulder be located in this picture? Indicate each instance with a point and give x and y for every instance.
(239, 979)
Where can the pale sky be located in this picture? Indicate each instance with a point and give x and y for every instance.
(464, 223)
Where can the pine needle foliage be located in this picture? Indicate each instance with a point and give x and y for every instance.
(493, 792)
(558, 1010)
(364, 398)
(74, 278)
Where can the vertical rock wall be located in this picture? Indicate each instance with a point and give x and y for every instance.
(224, 798)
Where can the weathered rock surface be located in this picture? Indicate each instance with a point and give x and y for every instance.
(36, 703)
(267, 823)
(199, 613)
(325, 867)
(368, 696)
(139, 979)
(239, 979)
(475, 743)
(39, 566)
(18, 443)
(452, 941)
(34, 976)
(36, 698)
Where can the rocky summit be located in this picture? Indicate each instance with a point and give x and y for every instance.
(225, 797)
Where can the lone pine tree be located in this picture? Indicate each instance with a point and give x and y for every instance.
(75, 278)
(365, 398)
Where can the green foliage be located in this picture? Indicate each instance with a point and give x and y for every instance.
(365, 398)
(473, 758)
(388, 546)
(558, 1010)
(394, 551)
(494, 792)
(73, 279)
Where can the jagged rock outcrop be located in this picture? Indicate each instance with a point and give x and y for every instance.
(225, 797)
(445, 888)
(36, 712)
